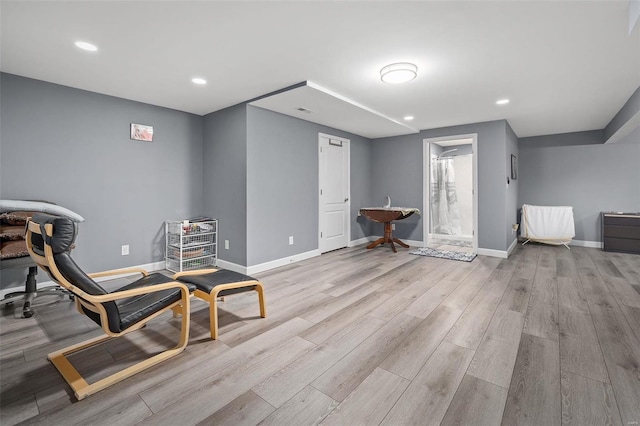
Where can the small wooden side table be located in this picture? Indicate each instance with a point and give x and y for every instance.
(387, 215)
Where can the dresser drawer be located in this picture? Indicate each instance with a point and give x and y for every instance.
(632, 232)
(622, 244)
(622, 220)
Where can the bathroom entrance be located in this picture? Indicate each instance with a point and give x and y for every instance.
(450, 193)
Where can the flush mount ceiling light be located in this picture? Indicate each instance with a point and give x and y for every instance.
(86, 46)
(398, 73)
(408, 118)
(198, 80)
(502, 102)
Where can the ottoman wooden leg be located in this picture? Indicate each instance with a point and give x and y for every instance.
(212, 299)
(263, 307)
(213, 316)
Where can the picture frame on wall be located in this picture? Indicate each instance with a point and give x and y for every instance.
(514, 167)
(141, 132)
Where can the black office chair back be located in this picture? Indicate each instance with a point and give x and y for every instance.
(71, 276)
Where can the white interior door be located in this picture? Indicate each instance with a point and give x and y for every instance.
(335, 226)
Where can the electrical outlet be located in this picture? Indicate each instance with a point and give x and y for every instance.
(226, 244)
(514, 228)
(125, 250)
(291, 240)
(393, 226)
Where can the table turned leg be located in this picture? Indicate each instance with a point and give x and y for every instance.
(388, 238)
(401, 243)
(376, 243)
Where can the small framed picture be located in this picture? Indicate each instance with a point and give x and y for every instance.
(514, 167)
(141, 132)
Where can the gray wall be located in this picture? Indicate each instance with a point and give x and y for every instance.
(628, 110)
(72, 147)
(591, 178)
(397, 171)
(591, 137)
(195, 166)
(511, 212)
(282, 184)
(633, 137)
(225, 179)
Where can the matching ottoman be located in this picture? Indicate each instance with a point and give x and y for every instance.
(213, 283)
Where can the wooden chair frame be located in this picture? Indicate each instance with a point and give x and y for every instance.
(59, 359)
(212, 298)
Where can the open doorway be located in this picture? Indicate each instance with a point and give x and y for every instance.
(450, 193)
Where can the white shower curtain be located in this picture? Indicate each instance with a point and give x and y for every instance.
(445, 215)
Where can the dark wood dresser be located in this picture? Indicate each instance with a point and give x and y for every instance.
(621, 232)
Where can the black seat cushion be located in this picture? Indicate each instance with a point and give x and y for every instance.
(207, 282)
(122, 313)
(133, 309)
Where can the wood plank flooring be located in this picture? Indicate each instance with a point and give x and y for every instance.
(362, 337)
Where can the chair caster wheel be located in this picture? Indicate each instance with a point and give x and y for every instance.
(72, 297)
(26, 310)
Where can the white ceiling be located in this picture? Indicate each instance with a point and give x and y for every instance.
(322, 106)
(566, 65)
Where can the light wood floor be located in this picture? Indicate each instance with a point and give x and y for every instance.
(364, 337)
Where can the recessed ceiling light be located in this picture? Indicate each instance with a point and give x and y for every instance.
(198, 80)
(408, 118)
(401, 72)
(502, 102)
(86, 46)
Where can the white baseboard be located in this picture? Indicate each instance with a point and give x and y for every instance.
(362, 240)
(512, 247)
(581, 243)
(231, 266)
(505, 254)
(281, 262)
(157, 266)
(412, 243)
(151, 267)
(590, 244)
(493, 253)
(298, 257)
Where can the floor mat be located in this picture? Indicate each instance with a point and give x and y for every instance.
(444, 254)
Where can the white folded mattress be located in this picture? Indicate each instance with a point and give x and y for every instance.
(548, 224)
